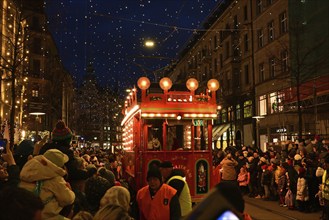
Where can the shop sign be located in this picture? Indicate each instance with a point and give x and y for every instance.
(281, 130)
(278, 130)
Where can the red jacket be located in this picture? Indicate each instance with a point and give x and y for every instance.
(157, 208)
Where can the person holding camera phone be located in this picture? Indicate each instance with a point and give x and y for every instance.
(9, 175)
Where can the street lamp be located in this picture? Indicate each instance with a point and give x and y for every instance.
(149, 43)
(258, 118)
(37, 121)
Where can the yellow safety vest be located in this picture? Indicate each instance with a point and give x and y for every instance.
(185, 200)
(325, 186)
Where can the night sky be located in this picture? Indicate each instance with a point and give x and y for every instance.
(111, 34)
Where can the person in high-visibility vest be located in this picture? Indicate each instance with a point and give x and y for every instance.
(178, 182)
(157, 200)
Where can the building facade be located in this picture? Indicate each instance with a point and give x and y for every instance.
(30, 63)
(252, 48)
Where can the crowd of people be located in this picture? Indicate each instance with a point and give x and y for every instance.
(53, 179)
(294, 174)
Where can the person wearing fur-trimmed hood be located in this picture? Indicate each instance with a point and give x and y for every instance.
(44, 175)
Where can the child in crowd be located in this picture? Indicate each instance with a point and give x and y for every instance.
(243, 179)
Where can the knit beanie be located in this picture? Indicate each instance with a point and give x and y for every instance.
(61, 132)
(154, 172)
(23, 150)
(56, 156)
(107, 174)
(95, 189)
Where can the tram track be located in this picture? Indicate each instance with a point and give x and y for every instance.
(272, 213)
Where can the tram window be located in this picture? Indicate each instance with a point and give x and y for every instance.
(200, 138)
(154, 137)
(175, 137)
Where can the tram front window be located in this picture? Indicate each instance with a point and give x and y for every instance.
(200, 137)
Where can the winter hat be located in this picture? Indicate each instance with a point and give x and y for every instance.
(166, 164)
(297, 157)
(116, 195)
(107, 174)
(154, 172)
(264, 167)
(56, 156)
(95, 189)
(25, 148)
(61, 132)
(91, 168)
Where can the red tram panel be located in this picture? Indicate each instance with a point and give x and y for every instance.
(170, 125)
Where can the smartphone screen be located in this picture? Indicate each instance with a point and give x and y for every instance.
(3, 143)
(228, 215)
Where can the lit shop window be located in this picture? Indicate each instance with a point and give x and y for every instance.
(35, 93)
(247, 109)
(263, 105)
(276, 101)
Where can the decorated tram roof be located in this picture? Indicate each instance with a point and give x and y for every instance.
(165, 100)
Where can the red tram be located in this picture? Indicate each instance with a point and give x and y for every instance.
(170, 124)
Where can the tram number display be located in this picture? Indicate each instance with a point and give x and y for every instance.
(198, 122)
